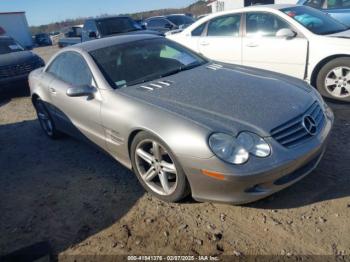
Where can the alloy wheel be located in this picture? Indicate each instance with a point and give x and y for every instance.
(44, 118)
(156, 167)
(337, 82)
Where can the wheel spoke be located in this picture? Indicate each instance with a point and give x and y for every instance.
(331, 81)
(164, 182)
(150, 174)
(338, 72)
(337, 91)
(168, 167)
(156, 151)
(145, 156)
(42, 116)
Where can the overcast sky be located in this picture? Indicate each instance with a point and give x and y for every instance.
(46, 11)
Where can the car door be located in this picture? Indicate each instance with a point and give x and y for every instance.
(263, 49)
(79, 116)
(222, 39)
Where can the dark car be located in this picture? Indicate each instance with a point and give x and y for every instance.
(338, 9)
(110, 26)
(43, 39)
(15, 62)
(139, 22)
(169, 22)
(72, 36)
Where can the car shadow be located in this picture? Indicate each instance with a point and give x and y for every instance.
(330, 180)
(57, 192)
(4, 101)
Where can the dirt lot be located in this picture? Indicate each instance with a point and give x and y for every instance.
(82, 202)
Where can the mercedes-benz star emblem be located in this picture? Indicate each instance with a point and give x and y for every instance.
(309, 124)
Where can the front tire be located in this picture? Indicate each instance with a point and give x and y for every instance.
(333, 80)
(157, 168)
(45, 120)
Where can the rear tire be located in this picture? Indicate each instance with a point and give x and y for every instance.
(157, 168)
(333, 80)
(45, 120)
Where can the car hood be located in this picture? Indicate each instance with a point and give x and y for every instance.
(231, 98)
(16, 58)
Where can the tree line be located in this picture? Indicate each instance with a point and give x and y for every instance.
(196, 9)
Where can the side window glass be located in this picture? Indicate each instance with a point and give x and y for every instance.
(264, 24)
(315, 3)
(225, 26)
(152, 23)
(78, 31)
(157, 22)
(162, 22)
(88, 26)
(199, 30)
(55, 67)
(338, 4)
(73, 70)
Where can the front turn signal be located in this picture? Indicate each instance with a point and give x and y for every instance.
(216, 175)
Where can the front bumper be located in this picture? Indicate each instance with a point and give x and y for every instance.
(9, 80)
(262, 177)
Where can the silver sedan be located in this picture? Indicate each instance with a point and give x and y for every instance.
(184, 124)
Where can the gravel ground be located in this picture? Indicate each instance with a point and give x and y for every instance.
(80, 201)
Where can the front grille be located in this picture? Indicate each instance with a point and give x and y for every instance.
(293, 132)
(19, 69)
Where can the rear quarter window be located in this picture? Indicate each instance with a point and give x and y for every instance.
(199, 30)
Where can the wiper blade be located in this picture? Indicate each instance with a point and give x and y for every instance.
(192, 65)
(180, 69)
(171, 72)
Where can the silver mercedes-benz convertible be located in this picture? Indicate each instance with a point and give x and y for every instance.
(184, 124)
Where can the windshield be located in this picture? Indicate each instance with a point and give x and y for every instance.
(141, 61)
(8, 45)
(180, 19)
(116, 25)
(314, 20)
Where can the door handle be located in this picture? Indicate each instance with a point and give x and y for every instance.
(252, 44)
(204, 43)
(52, 90)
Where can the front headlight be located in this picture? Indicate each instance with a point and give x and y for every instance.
(236, 150)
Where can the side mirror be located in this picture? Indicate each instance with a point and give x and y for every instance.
(286, 33)
(92, 34)
(80, 91)
(143, 26)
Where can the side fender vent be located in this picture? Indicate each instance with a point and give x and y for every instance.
(214, 67)
(156, 85)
